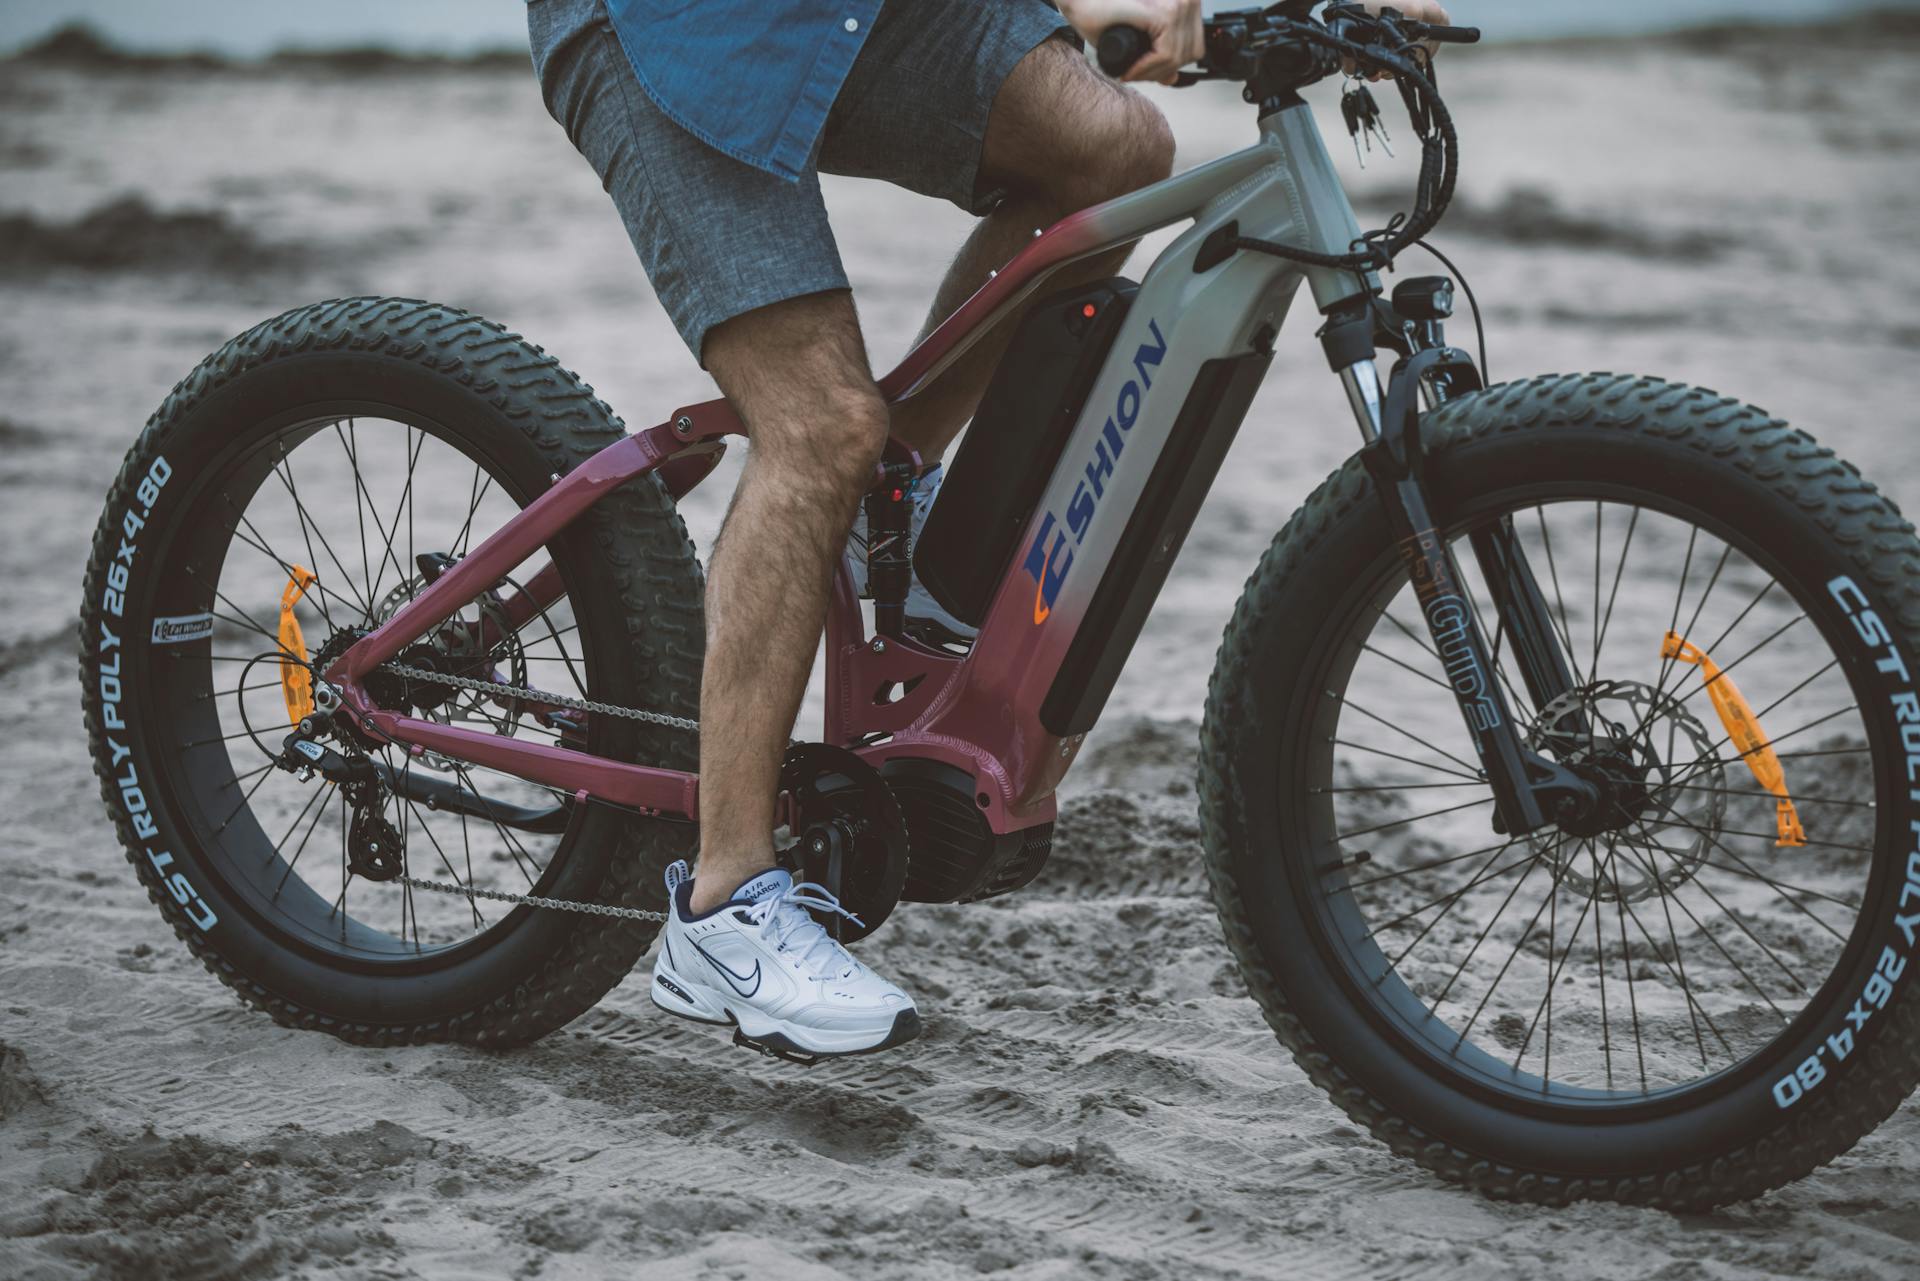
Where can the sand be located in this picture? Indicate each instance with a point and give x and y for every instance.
(1094, 1095)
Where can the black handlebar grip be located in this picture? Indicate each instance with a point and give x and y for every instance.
(1120, 47)
(1452, 35)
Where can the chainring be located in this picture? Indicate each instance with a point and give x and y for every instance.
(848, 835)
(1631, 734)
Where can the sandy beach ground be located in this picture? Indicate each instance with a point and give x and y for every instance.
(1735, 212)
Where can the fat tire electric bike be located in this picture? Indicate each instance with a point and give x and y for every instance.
(1506, 858)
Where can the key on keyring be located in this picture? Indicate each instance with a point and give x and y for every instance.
(1362, 114)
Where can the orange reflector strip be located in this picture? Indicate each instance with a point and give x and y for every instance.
(1744, 732)
(296, 681)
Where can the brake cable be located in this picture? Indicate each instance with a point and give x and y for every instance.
(1439, 163)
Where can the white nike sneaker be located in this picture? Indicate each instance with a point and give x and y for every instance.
(924, 614)
(760, 962)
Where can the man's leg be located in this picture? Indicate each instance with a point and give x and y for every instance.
(797, 374)
(1060, 137)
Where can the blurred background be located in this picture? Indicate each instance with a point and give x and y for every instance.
(1707, 191)
(245, 27)
(1716, 192)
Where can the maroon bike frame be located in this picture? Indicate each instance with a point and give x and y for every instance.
(956, 710)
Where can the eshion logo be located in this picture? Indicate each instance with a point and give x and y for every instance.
(1050, 558)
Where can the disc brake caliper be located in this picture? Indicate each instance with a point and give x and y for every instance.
(296, 680)
(1744, 731)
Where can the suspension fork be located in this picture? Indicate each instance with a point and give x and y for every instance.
(1526, 625)
(1530, 791)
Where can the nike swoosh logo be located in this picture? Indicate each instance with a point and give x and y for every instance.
(734, 979)
(1041, 610)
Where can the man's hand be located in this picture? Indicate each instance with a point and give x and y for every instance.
(1427, 11)
(1173, 25)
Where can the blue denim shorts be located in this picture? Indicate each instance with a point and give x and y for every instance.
(719, 237)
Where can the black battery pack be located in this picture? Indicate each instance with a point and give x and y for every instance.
(1018, 433)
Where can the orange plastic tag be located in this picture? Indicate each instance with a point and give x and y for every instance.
(296, 681)
(1744, 732)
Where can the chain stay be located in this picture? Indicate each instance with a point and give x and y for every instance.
(546, 700)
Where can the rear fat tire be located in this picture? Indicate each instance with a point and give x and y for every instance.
(631, 572)
(1734, 1146)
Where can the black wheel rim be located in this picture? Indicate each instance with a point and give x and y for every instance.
(1631, 970)
(279, 499)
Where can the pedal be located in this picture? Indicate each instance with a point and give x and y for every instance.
(776, 1052)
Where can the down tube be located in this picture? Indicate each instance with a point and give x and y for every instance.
(1158, 420)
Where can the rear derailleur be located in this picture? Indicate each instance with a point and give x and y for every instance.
(375, 849)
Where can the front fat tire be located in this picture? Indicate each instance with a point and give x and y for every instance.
(631, 549)
(1788, 477)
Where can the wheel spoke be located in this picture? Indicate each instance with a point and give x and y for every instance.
(1416, 818)
(1482, 877)
(1722, 674)
(476, 494)
(1648, 867)
(1600, 968)
(1606, 620)
(258, 542)
(362, 504)
(234, 813)
(520, 855)
(1425, 676)
(310, 530)
(1531, 862)
(302, 847)
(1553, 573)
(1553, 890)
(1408, 760)
(1593, 670)
(1669, 665)
(1779, 887)
(1553, 977)
(1402, 731)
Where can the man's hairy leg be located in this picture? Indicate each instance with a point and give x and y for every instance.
(797, 374)
(1060, 137)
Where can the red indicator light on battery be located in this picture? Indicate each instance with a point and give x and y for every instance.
(1089, 311)
(898, 495)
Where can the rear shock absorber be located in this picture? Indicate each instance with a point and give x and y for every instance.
(890, 548)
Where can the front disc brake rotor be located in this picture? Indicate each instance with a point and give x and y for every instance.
(848, 835)
(1662, 782)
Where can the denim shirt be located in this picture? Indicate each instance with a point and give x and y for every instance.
(753, 78)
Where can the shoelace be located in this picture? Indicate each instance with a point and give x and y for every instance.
(784, 917)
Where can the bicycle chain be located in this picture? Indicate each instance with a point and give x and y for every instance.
(533, 900)
(545, 700)
(539, 696)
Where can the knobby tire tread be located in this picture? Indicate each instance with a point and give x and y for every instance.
(1878, 542)
(637, 531)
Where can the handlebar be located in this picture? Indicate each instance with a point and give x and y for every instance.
(1121, 46)
(1280, 49)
